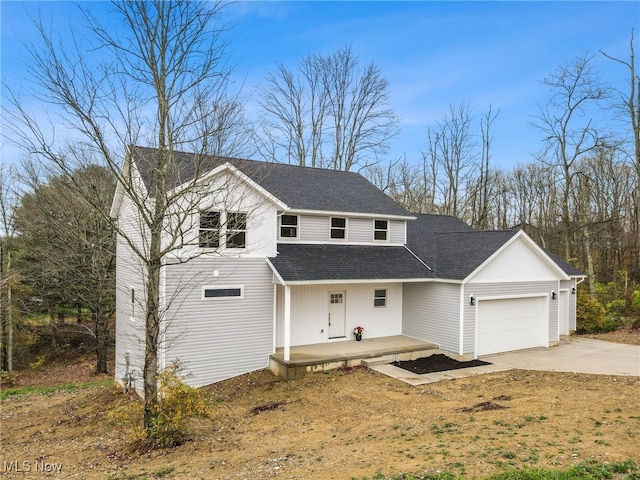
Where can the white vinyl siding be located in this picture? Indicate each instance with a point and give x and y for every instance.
(570, 285)
(517, 262)
(316, 228)
(129, 318)
(397, 232)
(313, 228)
(431, 313)
(218, 338)
(310, 310)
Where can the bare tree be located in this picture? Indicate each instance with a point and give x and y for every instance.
(154, 83)
(629, 103)
(330, 113)
(8, 201)
(481, 212)
(567, 124)
(451, 158)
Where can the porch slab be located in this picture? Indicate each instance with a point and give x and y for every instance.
(349, 353)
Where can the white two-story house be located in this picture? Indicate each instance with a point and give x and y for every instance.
(275, 256)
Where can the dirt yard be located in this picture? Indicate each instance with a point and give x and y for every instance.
(337, 425)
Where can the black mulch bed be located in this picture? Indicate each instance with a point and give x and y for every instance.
(436, 363)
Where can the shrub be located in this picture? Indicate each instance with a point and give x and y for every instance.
(7, 379)
(178, 404)
(590, 314)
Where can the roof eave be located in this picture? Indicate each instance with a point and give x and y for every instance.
(518, 234)
(302, 211)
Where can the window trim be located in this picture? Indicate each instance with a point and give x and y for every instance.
(296, 227)
(203, 295)
(229, 232)
(332, 228)
(384, 297)
(132, 303)
(385, 230)
(217, 229)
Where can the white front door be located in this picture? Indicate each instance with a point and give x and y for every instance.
(337, 317)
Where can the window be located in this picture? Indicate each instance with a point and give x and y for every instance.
(132, 316)
(289, 226)
(236, 230)
(336, 298)
(209, 235)
(380, 297)
(338, 227)
(380, 229)
(222, 292)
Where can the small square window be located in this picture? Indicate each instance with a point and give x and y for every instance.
(338, 228)
(380, 229)
(380, 298)
(289, 226)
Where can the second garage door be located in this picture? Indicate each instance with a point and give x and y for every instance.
(512, 324)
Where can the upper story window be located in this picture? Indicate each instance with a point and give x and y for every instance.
(338, 227)
(380, 229)
(209, 234)
(289, 226)
(236, 230)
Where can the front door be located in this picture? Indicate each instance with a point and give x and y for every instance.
(337, 317)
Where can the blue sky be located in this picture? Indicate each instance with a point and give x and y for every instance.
(434, 54)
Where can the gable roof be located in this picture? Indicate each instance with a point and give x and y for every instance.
(569, 269)
(455, 250)
(313, 263)
(300, 188)
(459, 254)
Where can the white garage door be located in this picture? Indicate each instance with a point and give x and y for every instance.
(512, 324)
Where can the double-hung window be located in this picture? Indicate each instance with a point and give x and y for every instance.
(380, 297)
(338, 227)
(236, 230)
(289, 226)
(209, 234)
(380, 229)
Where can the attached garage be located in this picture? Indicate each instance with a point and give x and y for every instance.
(508, 324)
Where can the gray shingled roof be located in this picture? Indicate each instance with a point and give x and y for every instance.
(304, 262)
(564, 265)
(300, 188)
(454, 250)
(421, 233)
(458, 254)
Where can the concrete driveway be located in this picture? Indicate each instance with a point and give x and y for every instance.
(575, 355)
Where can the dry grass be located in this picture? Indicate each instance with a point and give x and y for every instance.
(342, 424)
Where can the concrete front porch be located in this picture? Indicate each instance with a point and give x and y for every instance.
(327, 356)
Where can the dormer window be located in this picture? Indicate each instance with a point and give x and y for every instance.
(380, 229)
(289, 226)
(209, 233)
(338, 228)
(236, 230)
